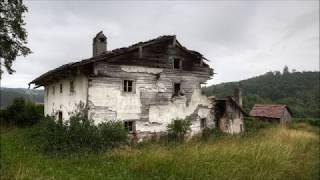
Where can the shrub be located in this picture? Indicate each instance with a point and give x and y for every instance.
(252, 125)
(178, 128)
(80, 134)
(21, 113)
(311, 121)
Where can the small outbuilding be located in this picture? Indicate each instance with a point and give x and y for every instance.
(229, 113)
(278, 113)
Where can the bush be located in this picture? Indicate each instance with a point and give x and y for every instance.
(79, 134)
(252, 124)
(311, 121)
(21, 113)
(178, 128)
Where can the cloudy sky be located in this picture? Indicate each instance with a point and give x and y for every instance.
(241, 38)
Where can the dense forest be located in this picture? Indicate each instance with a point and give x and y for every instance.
(299, 90)
(9, 94)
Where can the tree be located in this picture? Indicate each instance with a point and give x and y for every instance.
(286, 70)
(13, 35)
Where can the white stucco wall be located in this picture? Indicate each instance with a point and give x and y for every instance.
(107, 101)
(66, 101)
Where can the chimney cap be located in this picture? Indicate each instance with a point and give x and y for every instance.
(99, 35)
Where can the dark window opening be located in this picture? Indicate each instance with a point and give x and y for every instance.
(241, 127)
(53, 89)
(60, 88)
(60, 117)
(176, 89)
(128, 86)
(203, 123)
(71, 87)
(47, 91)
(129, 126)
(176, 63)
(102, 40)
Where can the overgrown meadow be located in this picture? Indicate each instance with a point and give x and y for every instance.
(272, 152)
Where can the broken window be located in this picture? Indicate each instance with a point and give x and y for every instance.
(128, 86)
(203, 123)
(60, 117)
(60, 88)
(176, 63)
(129, 126)
(71, 86)
(177, 89)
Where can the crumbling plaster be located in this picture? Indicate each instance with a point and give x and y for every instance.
(108, 102)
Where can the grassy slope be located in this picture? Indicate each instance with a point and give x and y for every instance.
(275, 153)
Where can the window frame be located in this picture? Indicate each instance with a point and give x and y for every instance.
(60, 117)
(204, 124)
(125, 86)
(174, 89)
(71, 87)
(130, 126)
(174, 63)
(61, 88)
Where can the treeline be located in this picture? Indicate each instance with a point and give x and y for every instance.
(7, 95)
(299, 90)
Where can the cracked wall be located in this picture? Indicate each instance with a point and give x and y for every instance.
(151, 104)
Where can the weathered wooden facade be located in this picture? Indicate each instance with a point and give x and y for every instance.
(277, 113)
(145, 85)
(229, 114)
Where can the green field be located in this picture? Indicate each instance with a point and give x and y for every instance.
(271, 153)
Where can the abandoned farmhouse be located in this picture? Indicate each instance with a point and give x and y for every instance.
(146, 86)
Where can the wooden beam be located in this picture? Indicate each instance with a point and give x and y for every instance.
(140, 52)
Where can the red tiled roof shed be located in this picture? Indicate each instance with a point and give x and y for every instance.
(269, 110)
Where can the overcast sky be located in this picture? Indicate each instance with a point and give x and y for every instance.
(242, 39)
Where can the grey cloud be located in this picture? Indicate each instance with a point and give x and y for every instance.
(242, 38)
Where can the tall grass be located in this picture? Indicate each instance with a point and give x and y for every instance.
(272, 153)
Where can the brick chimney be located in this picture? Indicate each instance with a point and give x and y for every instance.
(238, 96)
(99, 44)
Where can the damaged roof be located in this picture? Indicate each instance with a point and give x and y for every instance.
(231, 99)
(269, 110)
(119, 51)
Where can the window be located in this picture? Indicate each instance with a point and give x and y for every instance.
(129, 126)
(47, 91)
(176, 63)
(176, 89)
(241, 127)
(127, 86)
(60, 117)
(71, 87)
(60, 88)
(53, 89)
(203, 123)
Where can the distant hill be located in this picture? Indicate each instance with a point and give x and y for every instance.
(299, 90)
(8, 95)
